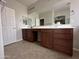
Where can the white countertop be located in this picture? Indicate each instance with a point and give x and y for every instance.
(51, 27)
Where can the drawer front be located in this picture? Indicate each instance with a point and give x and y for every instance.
(36, 30)
(63, 36)
(63, 50)
(46, 38)
(63, 31)
(64, 43)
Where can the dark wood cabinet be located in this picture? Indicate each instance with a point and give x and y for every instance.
(56, 39)
(27, 34)
(63, 40)
(46, 38)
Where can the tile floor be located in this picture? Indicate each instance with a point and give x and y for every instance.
(28, 50)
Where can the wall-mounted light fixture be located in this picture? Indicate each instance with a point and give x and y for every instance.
(72, 12)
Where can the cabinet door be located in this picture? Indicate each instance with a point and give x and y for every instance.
(46, 38)
(27, 34)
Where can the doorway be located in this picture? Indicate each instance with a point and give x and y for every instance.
(8, 26)
(41, 22)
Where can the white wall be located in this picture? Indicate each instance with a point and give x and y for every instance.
(20, 10)
(1, 40)
(75, 21)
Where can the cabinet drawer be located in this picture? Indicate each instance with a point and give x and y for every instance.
(63, 42)
(63, 31)
(46, 30)
(63, 49)
(63, 36)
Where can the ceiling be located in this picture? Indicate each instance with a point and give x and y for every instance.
(30, 2)
(27, 2)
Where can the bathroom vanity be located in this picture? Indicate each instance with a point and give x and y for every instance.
(59, 39)
(51, 28)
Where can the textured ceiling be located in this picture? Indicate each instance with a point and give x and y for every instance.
(27, 2)
(30, 2)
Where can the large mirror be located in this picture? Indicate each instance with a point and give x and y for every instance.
(59, 14)
(46, 18)
(62, 14)
(27, 21)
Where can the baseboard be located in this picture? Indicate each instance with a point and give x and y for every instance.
(75, 49)
(12, 42)
(9, 43)
(19, 40)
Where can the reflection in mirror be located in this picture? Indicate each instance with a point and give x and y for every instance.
(60, 19)
(46, 18)
(34, 19)
(57, 14)
(24, 20)
(27, 21)
(62, 14)
(41, 22)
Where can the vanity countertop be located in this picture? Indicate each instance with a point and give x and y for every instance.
(49, 27)
(45, 27)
